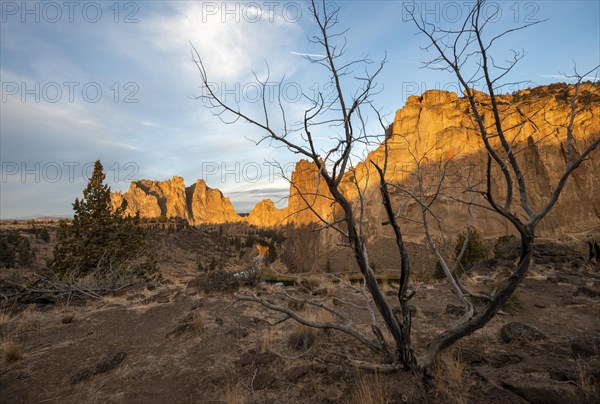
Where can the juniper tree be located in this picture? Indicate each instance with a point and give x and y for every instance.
(100, 240)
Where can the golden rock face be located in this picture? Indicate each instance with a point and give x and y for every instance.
(198, 204)
(436, 131)
(265, 214)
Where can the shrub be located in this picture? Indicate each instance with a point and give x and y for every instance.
(215, 281)
(302, 337)
(506, 247)
(475, 252)
(15, 250)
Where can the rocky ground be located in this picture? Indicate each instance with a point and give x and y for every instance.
(171, 342)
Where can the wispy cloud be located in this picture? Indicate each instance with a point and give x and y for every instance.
(311, 55)
(567, 77)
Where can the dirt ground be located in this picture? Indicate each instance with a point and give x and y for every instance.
(171, 343)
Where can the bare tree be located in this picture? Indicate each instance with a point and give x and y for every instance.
(346, 113)
(466, 53)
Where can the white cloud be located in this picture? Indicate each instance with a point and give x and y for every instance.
(230, 49)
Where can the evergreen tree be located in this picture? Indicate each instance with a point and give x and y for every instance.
(101, 240)
(213, 264)
(272, 253)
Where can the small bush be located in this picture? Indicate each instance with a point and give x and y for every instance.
(215, 281)
(302, 337)
(475, 252)
(506, 247)
(15, 250)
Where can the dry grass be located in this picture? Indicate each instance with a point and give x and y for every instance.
(368, 390)
(302, 337)
(199, 323)
(234, 394)
(31, 316)
(6, 316)
(451, 382)
(11, 351)
(264, 340)
(589, 389)
(329, 285)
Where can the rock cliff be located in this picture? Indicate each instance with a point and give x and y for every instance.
(198, 204)
(435, 131)
(265, 214)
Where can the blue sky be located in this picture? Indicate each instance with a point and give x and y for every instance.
(115, 81)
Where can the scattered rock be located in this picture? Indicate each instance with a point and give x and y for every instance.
(558, 279)
(501, 359)
(563, 375)
(219, 320)
(584, 347)
(589, 292)
(329, 394)
(136, 296)
(539, 393)
(498, 395)
(108, 363)
(259, 359)
(540, 306)
(161, 297)
(238, 332)
(516, 331)
(180, 330)
(455, 310)
(298, 373)
(67, 320)
(472, 357)
(263, 380)
(573, 302)
(42, 300)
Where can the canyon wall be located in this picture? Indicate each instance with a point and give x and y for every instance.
(432, 136)
(198, 204)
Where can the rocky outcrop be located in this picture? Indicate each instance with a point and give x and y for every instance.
(436, 131)
(208, 205)
(198, 204)
(310, 200)
(266, 214)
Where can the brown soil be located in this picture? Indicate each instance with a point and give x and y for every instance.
(171, 344)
